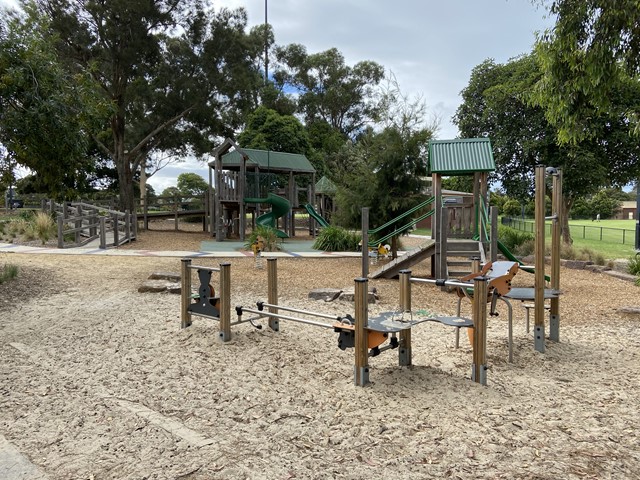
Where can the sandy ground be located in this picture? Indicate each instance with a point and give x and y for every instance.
(98, 381)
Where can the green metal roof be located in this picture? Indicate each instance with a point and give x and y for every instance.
(461, 156)
(268, 160)
(325, 186)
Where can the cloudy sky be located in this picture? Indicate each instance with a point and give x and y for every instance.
(430, 46)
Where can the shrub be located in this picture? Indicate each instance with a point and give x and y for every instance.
(43, 227)
(337, 239)
(512, 238)
(268, 236)
(634, 265)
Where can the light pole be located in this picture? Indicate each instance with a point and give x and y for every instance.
(266, 45)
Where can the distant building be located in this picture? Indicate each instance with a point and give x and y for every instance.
(627, 211)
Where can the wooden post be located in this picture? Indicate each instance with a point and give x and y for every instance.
(225, 302)
(60, 231)
(361, 372)
(242, 193)
(365, 242)
(404, 349)
(436, 222)
(78, 223)
(272, 293)
(539, 279)
(479, 367)
(185, 291)
(556, 234)
(103, 232)
(115, 222)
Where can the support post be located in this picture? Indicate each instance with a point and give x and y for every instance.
(361, 373)
(539, 279)
(60, 231)
(404, 350)
(272, 294)
(479, 367)
(103, 232)
(225, 302)
(556, 234)
(365, 242)
(185, 291)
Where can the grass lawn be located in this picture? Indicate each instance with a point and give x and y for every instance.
(594, 236)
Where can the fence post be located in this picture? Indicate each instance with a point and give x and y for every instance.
(135, 226)
(115, 226)
(127, 227)
(60, 231)
(103, 233)
(78, 223)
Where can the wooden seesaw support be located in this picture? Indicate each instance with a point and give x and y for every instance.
(205, 303)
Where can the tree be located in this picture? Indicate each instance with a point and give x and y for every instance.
(593, 44)
(192, 185)
(44, 111)
(176, 74)
(329, 90)
(496, 103)
(266, 129)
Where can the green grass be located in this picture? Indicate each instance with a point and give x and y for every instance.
(610, 246)
(8, 272)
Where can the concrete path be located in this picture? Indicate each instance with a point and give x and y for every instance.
(15, 466)
(9, 247)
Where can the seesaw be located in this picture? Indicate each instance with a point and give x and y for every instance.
(369, 337)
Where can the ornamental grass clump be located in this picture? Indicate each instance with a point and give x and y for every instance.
(337, 239)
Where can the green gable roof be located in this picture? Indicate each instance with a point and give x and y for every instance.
(268, 160)
(325, 186)
(461, 156)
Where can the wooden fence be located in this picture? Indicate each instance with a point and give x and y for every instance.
(85, 223)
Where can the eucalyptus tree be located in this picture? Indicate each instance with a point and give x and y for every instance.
(328, 89)
(593, 45)
(177, 74)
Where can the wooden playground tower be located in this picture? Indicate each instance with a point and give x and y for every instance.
(229, 172)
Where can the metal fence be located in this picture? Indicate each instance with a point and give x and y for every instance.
(620, 236)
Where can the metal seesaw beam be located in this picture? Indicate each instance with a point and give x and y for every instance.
(263, 314)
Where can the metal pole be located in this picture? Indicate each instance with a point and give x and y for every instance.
(539, 279)
(185, 292)
(638, 215)
(554, 312)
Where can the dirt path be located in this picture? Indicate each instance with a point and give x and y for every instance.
(98, 381)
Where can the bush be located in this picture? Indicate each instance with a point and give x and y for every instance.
(512, 238)
(634, 265)
(43, 227)
(337, 239)
(268, 236)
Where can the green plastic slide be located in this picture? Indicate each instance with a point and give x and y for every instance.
(279, 208)
(316, 216)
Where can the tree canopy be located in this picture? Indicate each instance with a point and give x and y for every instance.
(496, 103)
(175, 74)
(592, 46)
(329, 90)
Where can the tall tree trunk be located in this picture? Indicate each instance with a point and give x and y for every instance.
(123, 163)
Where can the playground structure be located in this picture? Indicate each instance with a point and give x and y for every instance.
(486, 236)
(245, 182)
(366, 335)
